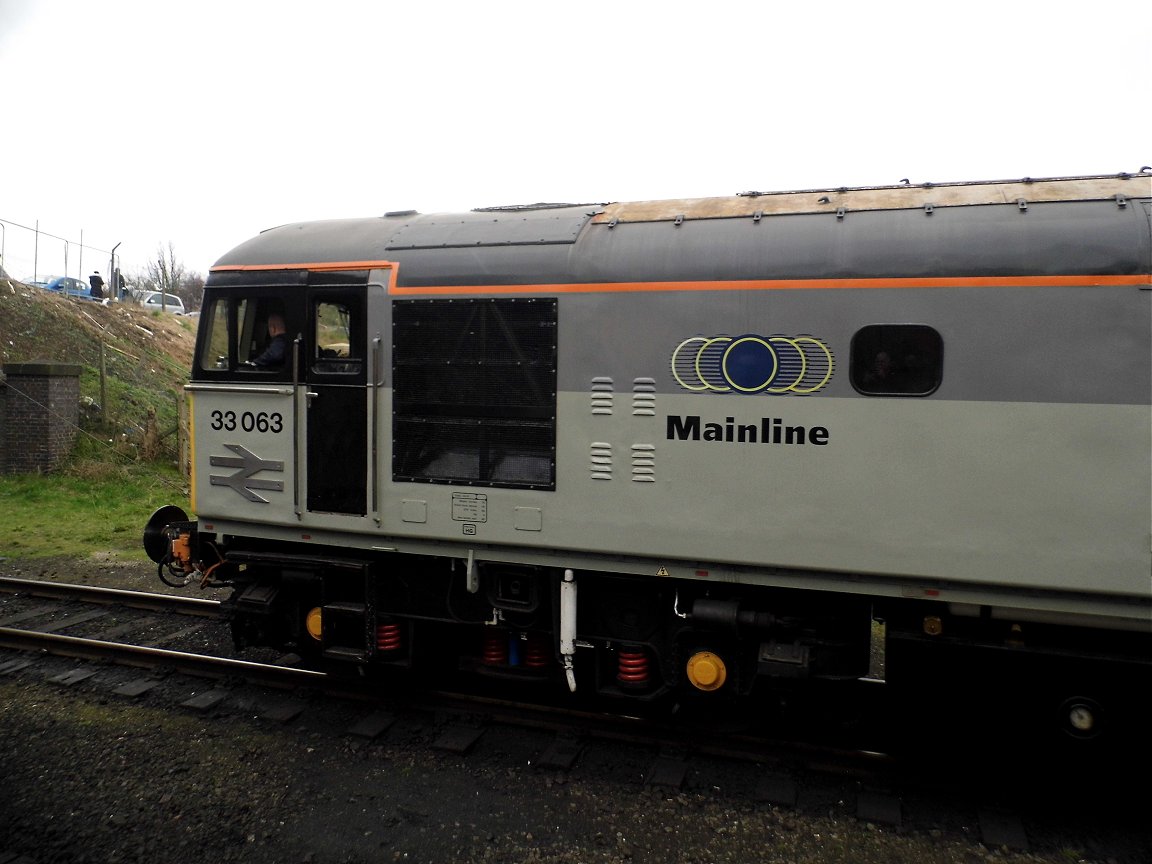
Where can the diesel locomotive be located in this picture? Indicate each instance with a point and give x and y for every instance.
(698, 449)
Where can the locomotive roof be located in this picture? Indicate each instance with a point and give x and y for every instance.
(898, 197)
(549, 245)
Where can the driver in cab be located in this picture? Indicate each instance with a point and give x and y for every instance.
(277, 348)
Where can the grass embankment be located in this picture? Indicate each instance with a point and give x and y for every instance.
(124, 464)
(89, 508)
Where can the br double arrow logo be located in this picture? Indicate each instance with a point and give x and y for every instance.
(248, 463)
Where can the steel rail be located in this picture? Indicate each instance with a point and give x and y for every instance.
(132, 599)
(180, 661)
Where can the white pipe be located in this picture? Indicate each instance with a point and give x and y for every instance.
(471, 577)
(568, 626)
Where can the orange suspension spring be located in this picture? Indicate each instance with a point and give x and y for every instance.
(388, 638)
(632, 666)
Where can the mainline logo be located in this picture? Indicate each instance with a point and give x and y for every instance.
(752, 364)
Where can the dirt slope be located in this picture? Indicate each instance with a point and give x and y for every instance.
(147, 354)
(41, 325)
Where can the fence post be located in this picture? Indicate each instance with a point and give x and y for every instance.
(103, 385)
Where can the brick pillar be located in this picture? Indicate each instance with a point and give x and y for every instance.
(41, 413)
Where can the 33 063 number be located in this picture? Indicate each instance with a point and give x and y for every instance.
(249, 421)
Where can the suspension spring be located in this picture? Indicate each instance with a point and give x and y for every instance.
(632, 666)
(537, 651)
(388, 638)
(495, 648)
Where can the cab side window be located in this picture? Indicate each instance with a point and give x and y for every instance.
(214, 355)
(245, 336)
(336, 348)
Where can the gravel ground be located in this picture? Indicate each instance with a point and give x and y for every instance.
(89, 777)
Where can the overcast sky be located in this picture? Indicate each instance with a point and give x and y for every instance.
(202, 123)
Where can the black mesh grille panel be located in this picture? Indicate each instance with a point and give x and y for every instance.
(474, 391)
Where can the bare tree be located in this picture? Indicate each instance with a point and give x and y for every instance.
(166, 273)
(192, 291)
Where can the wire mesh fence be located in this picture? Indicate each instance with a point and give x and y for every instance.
(32, 253)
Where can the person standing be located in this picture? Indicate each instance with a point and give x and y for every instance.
(97, 284)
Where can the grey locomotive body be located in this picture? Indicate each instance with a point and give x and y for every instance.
(707, 447)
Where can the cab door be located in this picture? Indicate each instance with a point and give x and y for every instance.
(336, 393)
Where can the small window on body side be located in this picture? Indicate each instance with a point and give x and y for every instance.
(897, 360)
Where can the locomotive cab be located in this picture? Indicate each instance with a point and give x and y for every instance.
(298, 419)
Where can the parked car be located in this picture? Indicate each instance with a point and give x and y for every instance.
(64, 285)
(159, 301)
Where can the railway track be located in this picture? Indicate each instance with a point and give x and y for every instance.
(143, 647)
(672, 755)
(40, 635)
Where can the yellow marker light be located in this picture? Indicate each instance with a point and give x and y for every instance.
(707, 671)
(313, 623)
